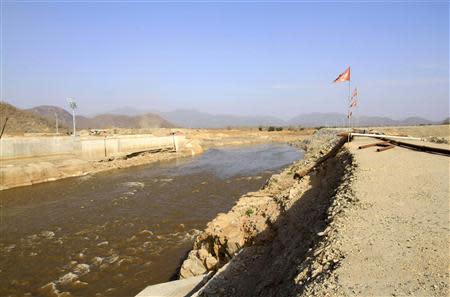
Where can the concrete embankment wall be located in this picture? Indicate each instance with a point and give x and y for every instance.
(31, 160)
(84, 147)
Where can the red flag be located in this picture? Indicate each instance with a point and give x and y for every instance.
(354, 98)
(355, 93)
(344, 76)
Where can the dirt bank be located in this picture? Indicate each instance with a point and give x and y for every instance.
(257, 219)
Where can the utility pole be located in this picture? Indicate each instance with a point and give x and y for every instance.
(73, 106)
(56, 118)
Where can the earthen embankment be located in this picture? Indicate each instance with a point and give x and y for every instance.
(255, 217)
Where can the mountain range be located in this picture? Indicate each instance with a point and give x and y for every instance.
(42, 119)
(196, 119)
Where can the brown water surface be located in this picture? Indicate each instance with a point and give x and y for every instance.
(114, 233)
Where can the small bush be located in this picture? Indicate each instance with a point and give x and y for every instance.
(271, 128)
(249, 212)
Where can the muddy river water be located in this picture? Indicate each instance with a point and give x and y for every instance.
(114, 233)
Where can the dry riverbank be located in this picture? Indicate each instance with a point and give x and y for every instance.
(256, 218)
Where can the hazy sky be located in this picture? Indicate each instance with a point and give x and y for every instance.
(240, 58)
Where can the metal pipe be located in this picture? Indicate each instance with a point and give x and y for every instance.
(384, 143)
(385, 136)
(418, 147)
(422, 148)
(382, 149)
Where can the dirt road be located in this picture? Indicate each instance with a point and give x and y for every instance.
(395, 240)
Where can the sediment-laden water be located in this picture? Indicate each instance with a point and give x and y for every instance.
(114, 233)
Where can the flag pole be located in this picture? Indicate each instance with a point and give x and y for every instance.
(348, 104)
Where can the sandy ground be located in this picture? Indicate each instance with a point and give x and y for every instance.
(432, 133)
(395, 240)
(417, 131)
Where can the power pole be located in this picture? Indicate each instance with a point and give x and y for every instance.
(73, 106)
(56, 118)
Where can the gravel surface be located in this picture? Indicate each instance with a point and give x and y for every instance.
(364, 223)
(393, 238)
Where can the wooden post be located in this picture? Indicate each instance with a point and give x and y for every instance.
(3, 128)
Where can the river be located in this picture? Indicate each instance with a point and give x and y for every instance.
(116, 232)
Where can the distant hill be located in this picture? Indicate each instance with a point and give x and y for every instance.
(318, 119)
(195, 119)
(338, 119)
(190, 118)
(49, 111)
(128, 111)
(101, 121)
(22, 121)
(416, 121)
